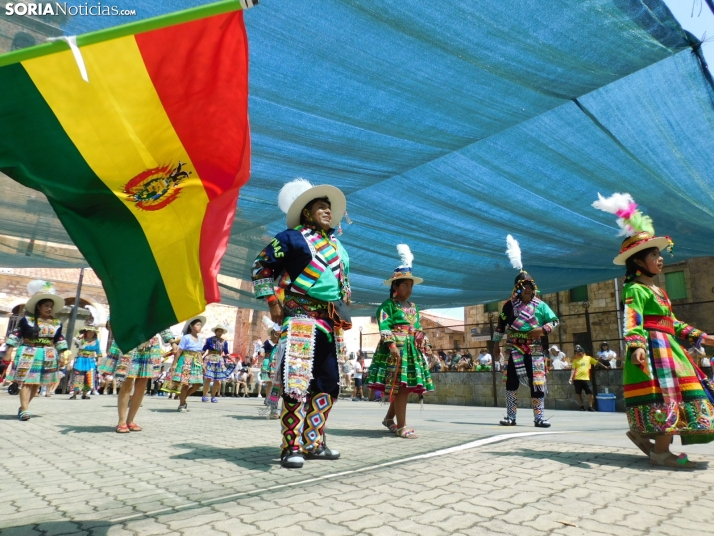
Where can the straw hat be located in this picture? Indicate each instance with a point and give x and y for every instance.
(43, 290)
(187, 326)
(299, 192)
(220, 326)
(404, 270)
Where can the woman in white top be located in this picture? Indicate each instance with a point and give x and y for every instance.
(188, 363)
(607, 355)
(558, 359)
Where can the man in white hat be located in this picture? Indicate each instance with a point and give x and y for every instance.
(312, 269)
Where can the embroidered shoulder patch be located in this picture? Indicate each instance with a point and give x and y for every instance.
(629, 300)
(383, 317)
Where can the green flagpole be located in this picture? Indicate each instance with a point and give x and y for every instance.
(132, 28)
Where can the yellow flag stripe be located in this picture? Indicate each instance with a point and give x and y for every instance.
(120, 127)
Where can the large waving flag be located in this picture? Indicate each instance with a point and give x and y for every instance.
(142, 162)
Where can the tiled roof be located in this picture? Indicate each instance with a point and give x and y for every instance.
(69, 275)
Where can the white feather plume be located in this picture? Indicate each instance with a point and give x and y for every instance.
(39, 285)
(614, 203)
(513, 250)
(405, 254)
(291, 191)
(95, 315)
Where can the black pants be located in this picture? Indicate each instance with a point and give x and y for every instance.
(512, 382)
(325, 369)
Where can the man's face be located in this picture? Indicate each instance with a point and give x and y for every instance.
(321, 214)
(527, 292)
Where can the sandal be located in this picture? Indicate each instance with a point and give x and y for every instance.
(391, 427)
(406, 434)
(123, 429)
(644, 444)
(133, 427)
(667, 459)
(24, 415)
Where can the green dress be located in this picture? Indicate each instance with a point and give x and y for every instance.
(399, 325)
(671, 395)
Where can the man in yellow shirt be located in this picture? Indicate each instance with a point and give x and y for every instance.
(581, 375)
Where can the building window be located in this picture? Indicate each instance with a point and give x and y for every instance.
(491, 307)
(579, 294)
(372, 319)
(676, 285)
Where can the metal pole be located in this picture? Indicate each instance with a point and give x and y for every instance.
(493, 360)
(69, 334)
(619, 320)
(360, 339)
(560, 323)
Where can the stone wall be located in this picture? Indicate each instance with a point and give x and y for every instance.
(477, 388)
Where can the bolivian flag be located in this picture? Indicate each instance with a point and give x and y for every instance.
(143, 162)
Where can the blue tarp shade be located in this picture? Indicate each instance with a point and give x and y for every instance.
(451, 124)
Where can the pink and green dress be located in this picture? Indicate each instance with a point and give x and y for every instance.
(671, 395)
(400, 325)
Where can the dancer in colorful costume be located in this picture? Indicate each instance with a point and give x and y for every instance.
(134, 371)
(666, 394)
(398, 366)
(524, 321)
(38, 341)
(187, 370)
(312, 267)
(268, 368)
(85, 364)
(217, 364)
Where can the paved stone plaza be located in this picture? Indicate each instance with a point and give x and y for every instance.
(215, 470)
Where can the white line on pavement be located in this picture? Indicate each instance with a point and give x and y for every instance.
(441, 452)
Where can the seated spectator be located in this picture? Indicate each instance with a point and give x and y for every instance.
(607, 357)
(432, 360)
(557, 359)
(484, 361)
(466, 363)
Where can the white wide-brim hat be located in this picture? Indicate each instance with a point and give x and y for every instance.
(220, 326)
(36, 298)
(187, 326)
(297, 193)
(638, 242)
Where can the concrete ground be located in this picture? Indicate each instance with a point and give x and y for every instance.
(215, 470)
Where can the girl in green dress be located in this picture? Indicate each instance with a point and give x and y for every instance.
(666, 394)
(398, 366)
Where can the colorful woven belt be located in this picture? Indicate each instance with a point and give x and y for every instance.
(297, 305)
(664, 324)
(38, 343)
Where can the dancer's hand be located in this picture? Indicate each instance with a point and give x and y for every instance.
(394, 351)
(639, 358)
(537, 333)
(276, 312)
(708, 340)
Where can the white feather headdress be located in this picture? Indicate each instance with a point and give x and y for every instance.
(513, 250)
(38, 285)
(291, 191)
(406, 255)
(630, 220)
